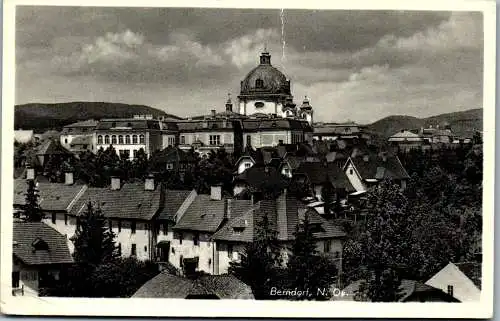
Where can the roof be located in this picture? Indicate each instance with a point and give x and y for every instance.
(284, 215)
(374, 166)
(472, 270)
(128, 124)
(273, 80)
(405, 134)
(53, 196)
(205, 125)
(25, 234)
(166, 285)
(173, 200)
(85, 123)
(132, 201)
(172, 154)
(276, 123)
(257, 177)
(51, 147)
(204, 215)
(81, 140)
(318, 172)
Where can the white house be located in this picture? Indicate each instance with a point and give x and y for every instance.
(461, 280)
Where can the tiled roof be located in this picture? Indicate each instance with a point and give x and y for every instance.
(368, 168)
(472, 270)
(318, 173)
(53, 196)
(166, 285)
(85, 123)
(51, 147)
(82, 140)
(132, 201)
(134, 124)
(284, 215)
(204, 215)
(335, 156)
(26, 233)
(173, 200)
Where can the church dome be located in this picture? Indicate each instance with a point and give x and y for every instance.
(265, 79)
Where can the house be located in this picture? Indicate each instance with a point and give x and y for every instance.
(259, 179)
(290, 164)
(51, 150)
(407, 140)
(284, 214)
(366, 170)
(39, 254)
(248, 159)
(166, 285)
(460, 280)
(173, 159)
(77, 137)
(409, 291)
(194, 228)
(316, 174)
(272, 131)
(130, 210)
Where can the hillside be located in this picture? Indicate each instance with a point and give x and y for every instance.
(41, 117)
(462, 123)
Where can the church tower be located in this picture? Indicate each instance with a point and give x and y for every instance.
(306, 111)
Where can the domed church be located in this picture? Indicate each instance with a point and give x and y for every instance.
(266, 90)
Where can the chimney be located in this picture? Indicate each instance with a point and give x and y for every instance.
(30, 173)
(212, 113)
(216, 193)
(115, 183)
(68, 178)
(149, 183)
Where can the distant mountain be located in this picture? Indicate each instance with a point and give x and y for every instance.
(462, 123)
(41, 117)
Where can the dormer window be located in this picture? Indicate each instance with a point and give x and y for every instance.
(238, 230)
(259, 83)
(259, 104)
(39, 245)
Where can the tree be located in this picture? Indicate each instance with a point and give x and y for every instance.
(327, 194)
(307, 269)
(31, 211)
(260, 264)
(94, 242)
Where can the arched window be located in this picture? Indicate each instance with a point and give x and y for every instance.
(141, 139)
(259, 83)
(106, 139)
(99, 140)
(127, 139)
(113, 139)
(134, 139)
(120, 139)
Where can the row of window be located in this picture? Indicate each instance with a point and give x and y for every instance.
(133, 249)
(213, 140)
(120, 139)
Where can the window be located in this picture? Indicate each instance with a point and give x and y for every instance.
(132, 227)
(327, 245)
(145, 248)
(119, 226)
(248, 165)
(170, 166)
(259, 83)
(141, 139)
(450, 290)
(214, 140)
(65, 140)
(180, 237)
(127, 139)
(135, 153)
(53, 218)
(183, 140)
(171, 141)
(15, 279)
(196, 239)
(119, 249)
(99, 140)
(120, 139)
(249, 140)
(65, 219)
(230, 251)
(113, 139)
(351, 172)
(280, 142)
(165, 228)
(133, 250)
(106, 139)
(134, 139)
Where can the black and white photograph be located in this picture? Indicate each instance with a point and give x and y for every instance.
(291, 160)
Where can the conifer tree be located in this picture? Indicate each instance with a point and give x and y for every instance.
(31, 209)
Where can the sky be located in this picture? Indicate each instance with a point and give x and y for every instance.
(353, 65)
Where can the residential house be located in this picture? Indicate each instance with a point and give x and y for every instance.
(259, 179)
(460, 280)
(166, 285)
(173, 159)
(407, 140)
(284, 214)
(39, 254)
(365, 170)
(409, 291)
(50, 150)
(77, 137)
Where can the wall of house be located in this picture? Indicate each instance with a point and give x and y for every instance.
(28, 278)
(355, 180)
(23, 136)
(168, 140)
(64, 224)
(224, 257)
(463, 288)
(226, 137)
(244, 164)
(268, 138)
(187, 249)
(142, 238)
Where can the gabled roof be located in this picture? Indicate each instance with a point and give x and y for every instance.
(374, 166)
(51, 147)
(166, 285)
(472, 270)
(131, 201)
(85, 123)
(284, 215)
(25, 234)
(318, 172)
(203, 215)
(53, 196)
(173, 200)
